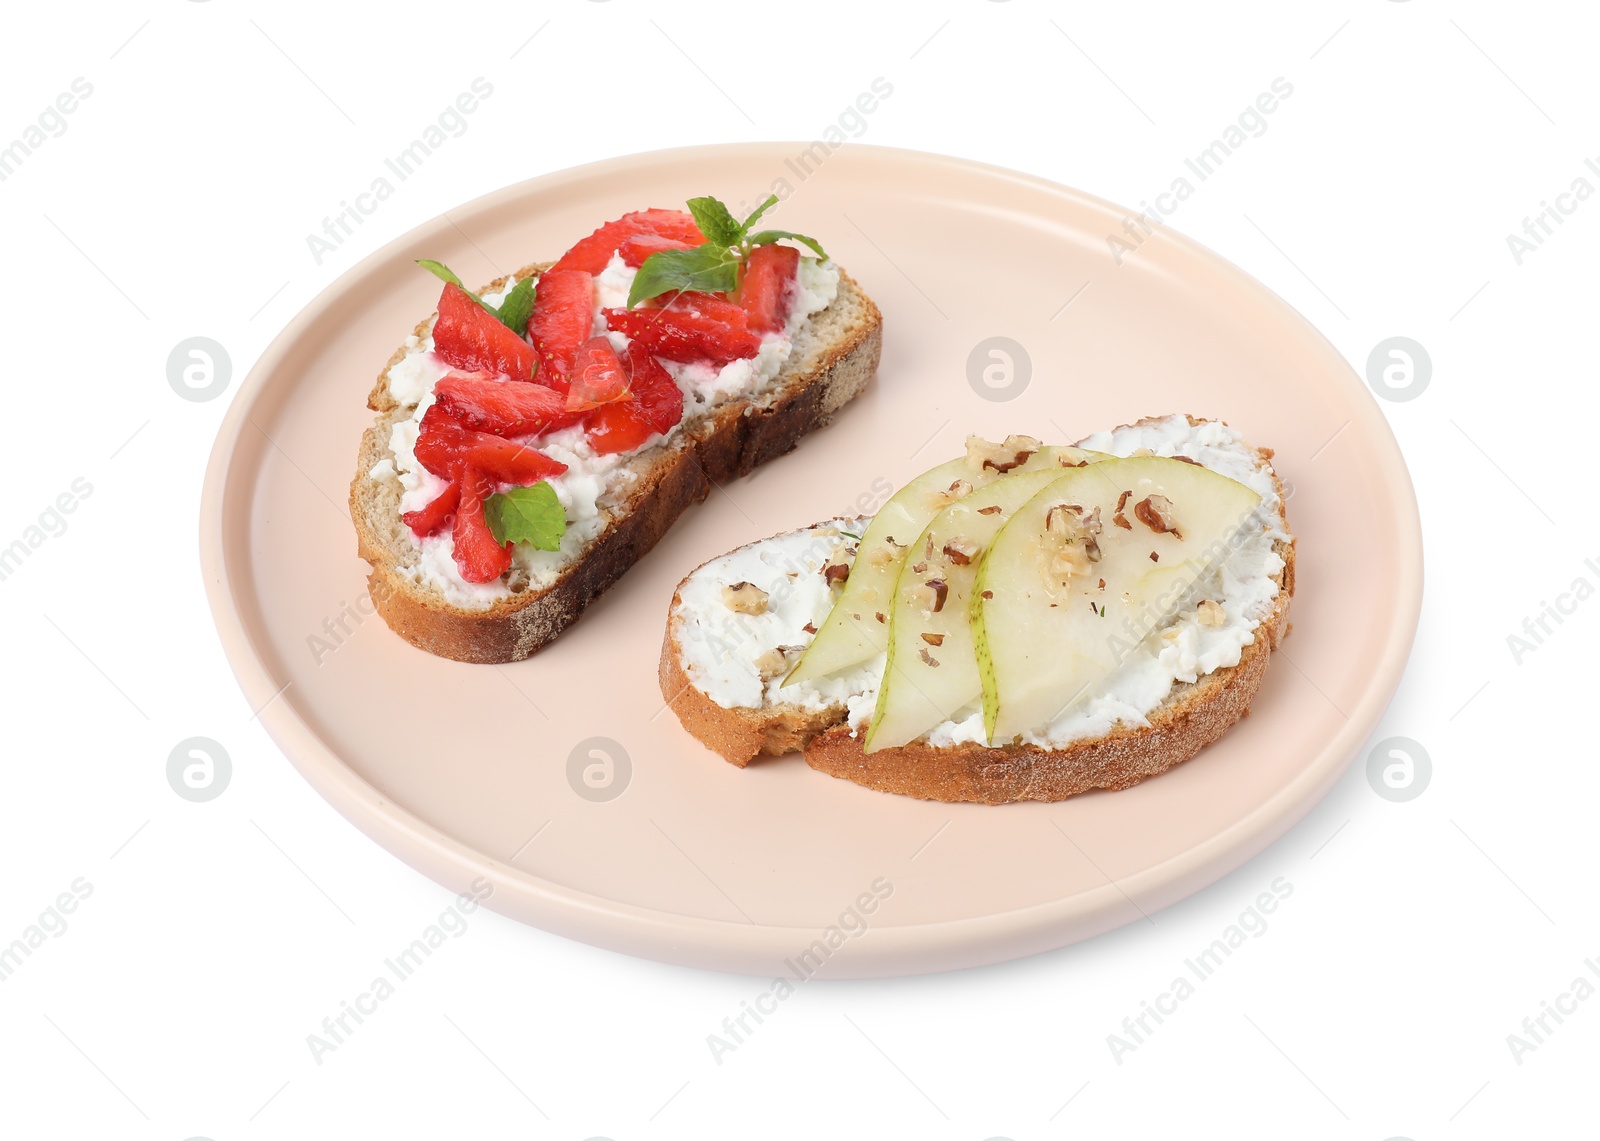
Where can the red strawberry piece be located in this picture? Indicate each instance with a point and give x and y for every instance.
(597, 377)
(767, 286)
(655, 394)
(432, 518)
(504, 407)
(441, 441)
(683, 333)
(467, 337)
(636, 248)
(509, 461)
(478, 557)
(713, 305)
(656, 406)
(592, 253)
(616, 428)
(563, 314)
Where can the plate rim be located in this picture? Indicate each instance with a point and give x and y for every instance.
(756, 949)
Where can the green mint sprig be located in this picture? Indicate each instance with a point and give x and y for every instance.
(714, 266)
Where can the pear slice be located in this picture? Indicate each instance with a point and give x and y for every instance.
(932, 667)
(851, 634)
(1046, 632)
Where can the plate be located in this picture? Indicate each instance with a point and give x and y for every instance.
(565, 784)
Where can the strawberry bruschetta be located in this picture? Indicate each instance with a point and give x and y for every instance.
(534, 440)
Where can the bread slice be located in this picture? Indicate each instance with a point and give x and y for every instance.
(1191, 716)
(834, 355)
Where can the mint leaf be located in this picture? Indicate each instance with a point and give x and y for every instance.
(512, 313)
(768, 237)
(442, 272)
(710, 268)
(715, 266)
(518, 306)
(531, 515)
(772, 200)
(715, 222)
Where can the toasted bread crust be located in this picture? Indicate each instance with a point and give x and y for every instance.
(1190, 719)
(729, 441)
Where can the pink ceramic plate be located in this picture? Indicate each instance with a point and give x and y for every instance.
(563, 782)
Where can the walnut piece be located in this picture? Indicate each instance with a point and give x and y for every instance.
(933, 639)
(961, 550)
(930, 595)
(745, 598)
(1212, 614)
(1001, 457)
(960, 489)
(1071, 540)
(771, 664)
(1155, 512)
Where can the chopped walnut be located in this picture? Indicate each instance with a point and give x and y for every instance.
(1155, 558)
(992, 509)
(933, 639)
(1063, 519)
(880, 616)
(960, 489)
(988, 594)
(745, 598)
(1071, 540)
(1155, 512)
(961, 550)
(883, 556)
(1002, 457)
(835, 573)
(1069, 561)
(771, 663)
(931, 594)
(811, 627)
(1212, 614)
(929, 658)
(1119, 518)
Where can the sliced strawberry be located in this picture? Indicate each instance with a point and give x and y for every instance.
(636, 247)
(597, 377)
(592, 253)
(563, 314)
(477, 555)
(713, 305)
(655, 394)
(656, 406)
(441, 442)
(767, 286)
(467, 337)
(504, 407)
(508, 461)
(684, 333)
(616, 428)
(432, 518)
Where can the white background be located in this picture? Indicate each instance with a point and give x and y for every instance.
(218, 935)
